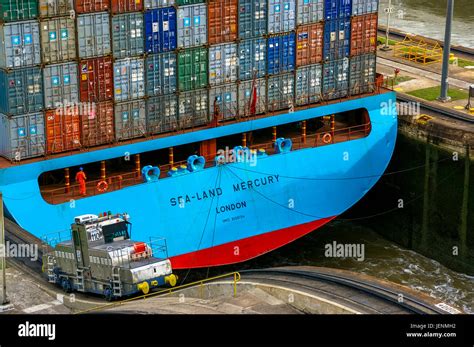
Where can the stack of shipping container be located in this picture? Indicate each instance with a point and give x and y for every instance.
(82, 73)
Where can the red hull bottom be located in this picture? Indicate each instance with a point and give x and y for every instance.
(245, 249)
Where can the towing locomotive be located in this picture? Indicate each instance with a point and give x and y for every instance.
(102, 259)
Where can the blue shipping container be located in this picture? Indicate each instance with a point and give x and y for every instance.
(337, 34)
(252, 18)
(21, 91)
(161, 74)
(335, 9)
(160, 30)
(281, 53)
(252, 58)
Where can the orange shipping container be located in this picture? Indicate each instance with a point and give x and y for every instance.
(363, 34)
(63, 131)
(121, 6)
(97, 125)
(309, 44)
(87, 6)
(222, 21)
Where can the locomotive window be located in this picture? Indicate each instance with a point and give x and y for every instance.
(113, 231)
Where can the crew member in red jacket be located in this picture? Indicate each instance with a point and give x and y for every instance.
(81, 179)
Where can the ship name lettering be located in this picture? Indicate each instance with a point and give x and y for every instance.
(258, 182)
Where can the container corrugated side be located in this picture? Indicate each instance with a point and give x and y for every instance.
(362, 74)
(363, 34)
(252, 58)
(58, 39)
(309, 11)
(129, 79)
(22, 137)
(63, 131)
(17, 10)
(21, 91)
(189, 2)
(162, 114)
(309, 44)
(252, 16)
(308, 84)
(192, 68)
(93, 32)
(281, 53)
(60, 85)
(245, 97)
(281, 16)
(55, 8)
(361, 7)
(222, 64)
(150, 4)
(336, 9)
(130, 120)
(122, 6)
(337, 35)
(161, 74)
(193, 108)
(87, 6)
(192, 25)
(222, 21)
(96, 80)
(225, 98)
(335, 79)
(97, 125)
(127, 35)
(160, 30)
(20, 44)
(281, 92)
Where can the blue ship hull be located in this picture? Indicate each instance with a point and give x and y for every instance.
(231, 212)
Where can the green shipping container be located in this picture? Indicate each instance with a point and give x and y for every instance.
(189, 2)
(192, 72)
(15, 10)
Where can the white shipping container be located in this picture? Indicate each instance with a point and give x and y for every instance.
(60, 85)
(361, 7)
(192, 25)
(245, 97)
(129, 79)
(193, 108)
(93, 32)
(281, 92)
(281, 16)
(225, 98)
(308, 84)
(20, 44)
(130, 120)
(310, 11)
(58, 40)
(149, 4)
(222, 64)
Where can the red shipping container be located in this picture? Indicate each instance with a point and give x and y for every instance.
(97, 125)
(87, 6)
(122, 6)
(309, 44)
(222, 21)
(363, 34)
(63, 131)
(96, 80)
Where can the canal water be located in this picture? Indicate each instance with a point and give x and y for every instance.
(415, 225)
(427, 18)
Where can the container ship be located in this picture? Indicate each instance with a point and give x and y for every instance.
(228, 127)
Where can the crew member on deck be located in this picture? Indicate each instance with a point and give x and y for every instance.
(81, 179)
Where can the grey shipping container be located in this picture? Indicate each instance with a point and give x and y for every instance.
(310, 11)
(222, 64)
(158, 3)
(245, 97)
(60, 85)
(362, 74)
(252, 18)
(93, 32)
(56, 8)
(58, 39)
(192, 25)
(281, 92)
(361, 7)
(130, 120)
(22, 137)
(335, 78)
(162, 114)
(308, 84)
(21, 91)
(225, 98)
(161, 74)
(281, 16)
(20, 44)
(193, 108)
(127, 35)
(129, 79)
(252, 58)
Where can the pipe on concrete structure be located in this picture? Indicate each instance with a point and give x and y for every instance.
(446, 51)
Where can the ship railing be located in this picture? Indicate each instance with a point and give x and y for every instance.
(120, 181)
(52, 239)
(159, 247)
